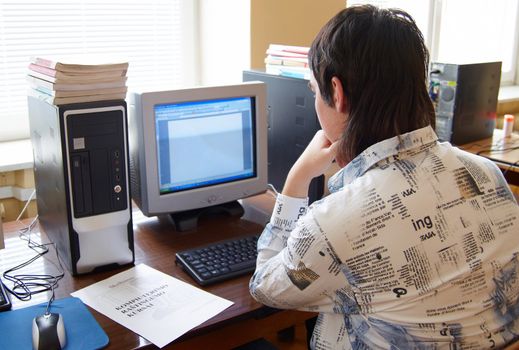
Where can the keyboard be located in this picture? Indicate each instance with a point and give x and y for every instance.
(220, 261)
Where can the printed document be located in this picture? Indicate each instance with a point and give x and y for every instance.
(152, 304)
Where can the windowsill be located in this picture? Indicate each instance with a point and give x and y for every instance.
(15, 155)
(509, 93)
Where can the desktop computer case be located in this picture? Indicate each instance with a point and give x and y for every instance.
(81, 174)
(292, 123)
(465, 100)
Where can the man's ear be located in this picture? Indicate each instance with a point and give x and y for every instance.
(339, 100)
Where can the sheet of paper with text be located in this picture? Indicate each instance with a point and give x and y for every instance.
(152, 304)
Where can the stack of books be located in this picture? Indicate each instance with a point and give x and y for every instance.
(289, 61)
(68, 80)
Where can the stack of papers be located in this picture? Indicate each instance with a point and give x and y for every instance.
(286, 60)
(72, 80)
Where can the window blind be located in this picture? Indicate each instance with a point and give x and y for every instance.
(154, 36)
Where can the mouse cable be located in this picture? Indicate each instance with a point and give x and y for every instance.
(273, 192)
(510, 167)
(26, 205)
(496, 150)
(26, 285)
(496, 146)
(49, 303)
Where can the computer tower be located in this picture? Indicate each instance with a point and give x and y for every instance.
(465, 100)
(292, 123)
(81, 175)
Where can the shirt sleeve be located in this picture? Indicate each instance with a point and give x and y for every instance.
(295, 268)
(287, 211)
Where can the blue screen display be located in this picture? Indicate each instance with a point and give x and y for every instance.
(204, 143)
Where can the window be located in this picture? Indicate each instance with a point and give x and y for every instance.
(155, 36)
(466, 31)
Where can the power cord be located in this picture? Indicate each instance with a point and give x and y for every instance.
(24, 286)
(510, 167)
(500, 150)
(495, 150)
(273, 190)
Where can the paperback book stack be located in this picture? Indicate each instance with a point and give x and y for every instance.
(289, 61)
(64, 81)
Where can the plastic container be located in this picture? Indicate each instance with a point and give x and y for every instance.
(508, 125)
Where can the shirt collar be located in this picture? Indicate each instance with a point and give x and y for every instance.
(388, 151)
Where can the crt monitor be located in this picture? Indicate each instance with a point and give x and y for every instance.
(196, 148)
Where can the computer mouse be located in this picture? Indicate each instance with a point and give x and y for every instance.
(48, 332)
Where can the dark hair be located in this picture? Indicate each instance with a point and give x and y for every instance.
(380, 58)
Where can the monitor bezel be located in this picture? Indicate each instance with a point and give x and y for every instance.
(159, 203)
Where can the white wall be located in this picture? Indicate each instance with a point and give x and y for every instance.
(224, 40)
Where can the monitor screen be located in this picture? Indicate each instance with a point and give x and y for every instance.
(197, 147)
(203, 143)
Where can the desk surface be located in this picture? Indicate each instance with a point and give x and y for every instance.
(156, 242)
(503, 151)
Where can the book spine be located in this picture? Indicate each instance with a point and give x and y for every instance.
(292, 72)
(284, 61)
(41, 96)
(44, 90)
(41, 76)
(285, 54)
(298, 75)
(44, 62)
(43, 70)
(33, 81)
(290, 48)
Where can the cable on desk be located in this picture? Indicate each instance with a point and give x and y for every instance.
(510, 167)
(479, 145)
(493, 147)
(273, 190)
(493, 150)
(26, 205)
(26, 285)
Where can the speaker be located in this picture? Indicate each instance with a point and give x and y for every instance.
(465, 100)
(82, 187)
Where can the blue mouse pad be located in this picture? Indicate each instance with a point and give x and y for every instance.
(81, 329)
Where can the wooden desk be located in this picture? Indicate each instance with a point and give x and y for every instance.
(503, 151)
(155, 245)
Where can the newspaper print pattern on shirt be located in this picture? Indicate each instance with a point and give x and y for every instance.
(416, 247)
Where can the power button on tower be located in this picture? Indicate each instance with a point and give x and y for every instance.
(117, 189)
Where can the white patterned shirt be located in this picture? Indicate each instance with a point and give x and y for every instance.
(416, 247)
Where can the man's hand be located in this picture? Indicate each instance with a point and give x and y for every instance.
(316, 158)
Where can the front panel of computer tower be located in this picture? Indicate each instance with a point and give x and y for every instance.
(80, 159)
(292, 123)
(465, 100)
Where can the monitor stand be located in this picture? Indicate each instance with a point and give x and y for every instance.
(188, 220)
